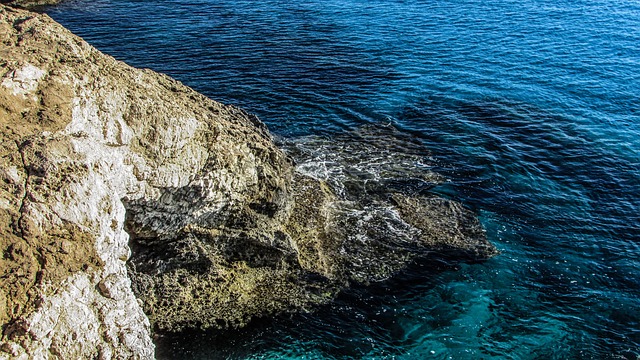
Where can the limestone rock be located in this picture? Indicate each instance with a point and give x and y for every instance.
(84, 137)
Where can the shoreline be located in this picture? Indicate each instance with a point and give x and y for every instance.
(133, 204)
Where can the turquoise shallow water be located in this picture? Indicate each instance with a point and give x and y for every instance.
(530, 108)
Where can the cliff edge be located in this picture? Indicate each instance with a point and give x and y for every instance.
(29, 4)
(129, 202)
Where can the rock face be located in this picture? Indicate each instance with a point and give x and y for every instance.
(65, 291)
(28, 4)
(118, 181)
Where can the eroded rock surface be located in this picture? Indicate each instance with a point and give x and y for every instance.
(29, 4)
(98, 159)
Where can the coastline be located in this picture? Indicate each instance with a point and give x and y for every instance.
(123, 183)
(509, 123)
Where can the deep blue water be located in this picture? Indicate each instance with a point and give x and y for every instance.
(530, 108)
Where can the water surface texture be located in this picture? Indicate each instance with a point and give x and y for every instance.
(530, 109)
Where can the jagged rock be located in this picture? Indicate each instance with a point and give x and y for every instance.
(118, 181)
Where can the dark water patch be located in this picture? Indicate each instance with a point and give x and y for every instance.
(291, 59)
(541, 156)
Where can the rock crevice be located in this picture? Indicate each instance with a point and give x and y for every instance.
(23, 198)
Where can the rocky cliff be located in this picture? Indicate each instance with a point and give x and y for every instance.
(28, 4)
(129, 202)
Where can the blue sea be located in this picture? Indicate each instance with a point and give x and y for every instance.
(530, 109)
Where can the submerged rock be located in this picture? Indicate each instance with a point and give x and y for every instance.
(382, 215)
(128, 197)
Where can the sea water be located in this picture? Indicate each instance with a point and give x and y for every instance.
(530, 110)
